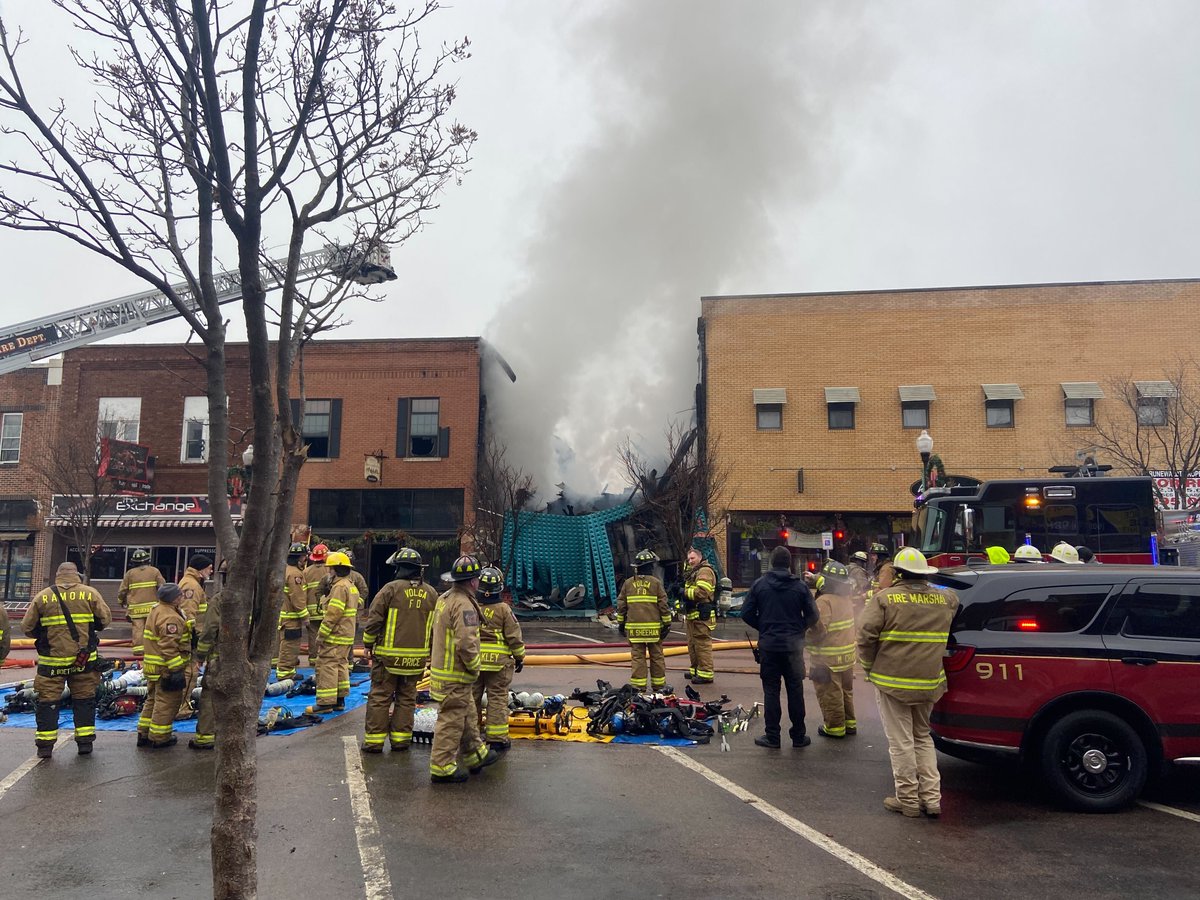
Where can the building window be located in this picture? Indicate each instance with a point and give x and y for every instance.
(1080, 411)
(10, 437)
(841, 416)
(1152, 411)
(194, 443)
(119, 417)
(320, 427)
(999, 413)
(419, 434)
(915, 413)
(768, 416)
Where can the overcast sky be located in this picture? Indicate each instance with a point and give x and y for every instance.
(634, 156)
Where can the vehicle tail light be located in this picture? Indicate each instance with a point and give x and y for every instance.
(1027, 625)
(957, 657)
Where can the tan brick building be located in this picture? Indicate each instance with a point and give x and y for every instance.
(838, 386)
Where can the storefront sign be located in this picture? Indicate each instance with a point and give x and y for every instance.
(172, 506)
(128, 465)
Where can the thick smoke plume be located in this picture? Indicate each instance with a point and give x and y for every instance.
(707, 113)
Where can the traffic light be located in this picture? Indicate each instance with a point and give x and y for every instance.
(784, 534)
(812, 566)
(839, 535)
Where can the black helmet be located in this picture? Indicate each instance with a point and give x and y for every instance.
(141, 555)
(406, 557)
(464, 569)
(491, 581)
(645, 558)
(880, 549)
(298, 549)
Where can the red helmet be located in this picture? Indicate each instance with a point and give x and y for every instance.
(319, 553)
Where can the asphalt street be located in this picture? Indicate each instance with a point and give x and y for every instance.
(556, 819)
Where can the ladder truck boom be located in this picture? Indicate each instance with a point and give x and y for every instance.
(21, 345)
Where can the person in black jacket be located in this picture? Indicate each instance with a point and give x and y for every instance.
(780, 606)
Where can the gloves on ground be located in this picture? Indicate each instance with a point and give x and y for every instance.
(518, 665)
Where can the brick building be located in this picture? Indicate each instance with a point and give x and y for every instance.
(815, 400)
(392, 428)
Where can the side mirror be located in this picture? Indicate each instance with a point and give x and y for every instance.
(969, 525)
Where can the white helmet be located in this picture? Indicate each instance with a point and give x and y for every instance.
(1028, 553)
(913, 561)
(1065, 553)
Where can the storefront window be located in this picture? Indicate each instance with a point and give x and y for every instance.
(16, 570)
(107, 562)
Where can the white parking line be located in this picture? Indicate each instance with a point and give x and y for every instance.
(845, 854)
(1170, 810)
(376, 881)
(16, 774)
(580, 636)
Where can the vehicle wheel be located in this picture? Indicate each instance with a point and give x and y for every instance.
(1094, 761)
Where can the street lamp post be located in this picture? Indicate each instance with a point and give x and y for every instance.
(925, 448)
(248, 465)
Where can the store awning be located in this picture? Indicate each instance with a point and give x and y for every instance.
(1082, 390)
(842, 395)
(1002, 392)
(1155, 389)
(915, 393)
(770, 396)
(14, 535)
(143, 522)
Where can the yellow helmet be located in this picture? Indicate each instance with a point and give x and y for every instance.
(337, 558)
(1028, 553)
(1066, 553)
(913, 561)
(997, 556)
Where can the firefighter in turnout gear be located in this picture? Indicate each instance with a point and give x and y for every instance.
(206, 652)
(644, 618)
(64, 621)
(193, 604)
(336, 636)
(5, 634)
(453, 668)
(293, 615)
(137, 595)
(168, 653)
(901, 641)
(699, 583)
(831, 651)
(355, 576)
(884, 573)
(501, 653)
(396, 636)
(314, 575)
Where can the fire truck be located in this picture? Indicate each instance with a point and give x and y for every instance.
(1114, 517)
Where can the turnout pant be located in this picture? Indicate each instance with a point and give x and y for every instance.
(456, 732)
(313, 627)
(699, 635)
(288, 656)
(49, 690)
(657, 668)
(389, 718)
(914, 759)
(186, 710)
(495, 718)
(137, 636)
(837, 702)
(333, 674)
(206, 723)
(147, 709)
(162, 715)
(786, 666)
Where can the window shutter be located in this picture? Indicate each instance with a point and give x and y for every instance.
(402, 428)
(443, 442)
(297, 416)
(335, 427)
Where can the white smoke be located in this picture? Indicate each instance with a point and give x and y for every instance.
(708, 113)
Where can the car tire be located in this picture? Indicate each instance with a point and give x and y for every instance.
(1094, 761)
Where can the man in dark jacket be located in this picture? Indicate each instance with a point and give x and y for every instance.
(780, 606)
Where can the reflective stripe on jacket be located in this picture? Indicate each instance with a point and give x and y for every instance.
(294, 612)
(699, 585)
(454, 650)
(643, 609)
(832, 641)
(500, 640)
(206, 646)
(87, 608)
(195, 602)
(341, 608)
(138, 590)
(313, 578)
(398, 622)
(902, 638)
(168, 641)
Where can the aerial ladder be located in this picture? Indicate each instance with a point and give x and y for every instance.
(21, 345)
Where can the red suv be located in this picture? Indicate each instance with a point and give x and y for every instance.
(1090, 674)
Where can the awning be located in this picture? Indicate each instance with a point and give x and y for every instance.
(1155, 389)
(142, 522)
(770, 396)
(1082, 390)
(1002, 392)
(14, 535)
(915, 393)
(842, 395)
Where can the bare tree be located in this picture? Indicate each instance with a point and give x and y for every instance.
(501, 490)
(223, 127)
(1153, 427)
(86, 498)
(694, 480)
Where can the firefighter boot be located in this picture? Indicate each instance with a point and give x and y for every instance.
(458, 776)
(46, 724)
(485, 760)
(85, 724)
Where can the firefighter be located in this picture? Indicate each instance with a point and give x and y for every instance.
(644, 619)
(206, 652)
(884, 573)
(65, 620)
(355, 576)
(336, 636)
(193, 604)
(293, 616)
(137, 595)
(453, 668)
(901, 641)
(314, 574)
(396, 636)
(501, 653)
(859, 579)
(5, 634)
(168, 654)
(831, 651)
(699, 583)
